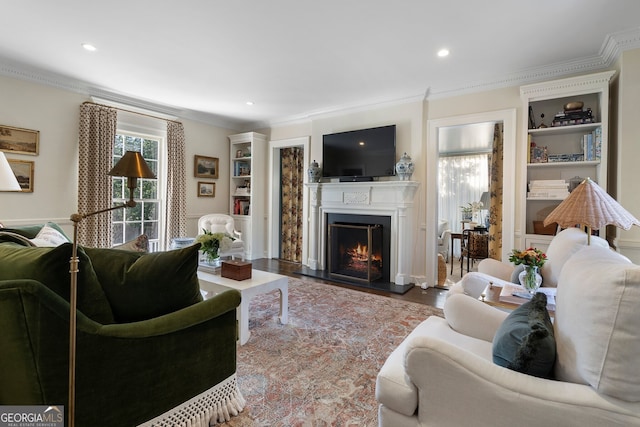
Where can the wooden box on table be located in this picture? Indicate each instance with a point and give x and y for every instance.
(236, 270)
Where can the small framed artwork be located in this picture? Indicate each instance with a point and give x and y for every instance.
(206, 189)
(23, 170)
(19, 141)
(205, 167)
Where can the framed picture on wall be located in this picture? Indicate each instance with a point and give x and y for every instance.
(205, 167)
(19, 141)
(23, 170)
(206, 189)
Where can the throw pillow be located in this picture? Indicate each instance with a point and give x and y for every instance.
(49, 237)
(50, 266)
(596, 323)
(562, 247)
(139, 244)
(525, 342)
(142, 286)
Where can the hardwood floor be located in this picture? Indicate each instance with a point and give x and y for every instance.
(432, 296)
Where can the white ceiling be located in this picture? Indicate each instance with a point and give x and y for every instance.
(203, 59)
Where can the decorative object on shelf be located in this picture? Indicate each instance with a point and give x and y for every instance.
(19, 141)
(211, 243)
(238, 154)
(591, 207)
(542, 125)
(315, 173)
(205, 167)
(8, 180)
(532, 259)
(404, 167)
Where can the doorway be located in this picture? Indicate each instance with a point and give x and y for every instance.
(508, 119)
(280, 200)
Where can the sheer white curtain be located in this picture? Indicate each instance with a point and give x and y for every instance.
(461, 180)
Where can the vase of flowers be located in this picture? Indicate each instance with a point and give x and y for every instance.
(532, 259)
(211, 244)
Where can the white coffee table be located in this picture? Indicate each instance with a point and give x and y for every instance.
(260, 282)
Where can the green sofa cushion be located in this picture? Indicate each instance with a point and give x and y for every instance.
(142, 286)
(50, 266)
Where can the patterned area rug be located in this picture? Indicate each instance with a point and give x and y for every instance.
(320, 369)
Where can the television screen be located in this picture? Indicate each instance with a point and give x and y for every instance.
(364, 153)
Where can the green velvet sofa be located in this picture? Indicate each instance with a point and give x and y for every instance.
(147, 342)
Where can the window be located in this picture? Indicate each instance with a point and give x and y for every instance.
(145, 217)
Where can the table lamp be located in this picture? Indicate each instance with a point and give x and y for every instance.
(8, 180)
(485, 199)
(591, 207)
(132, 166)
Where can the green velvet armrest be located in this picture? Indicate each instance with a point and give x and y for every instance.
(125, 373)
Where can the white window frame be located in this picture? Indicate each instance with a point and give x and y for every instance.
(158, 133)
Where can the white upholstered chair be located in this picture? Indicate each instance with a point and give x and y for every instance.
(444, 236)
(221, 223)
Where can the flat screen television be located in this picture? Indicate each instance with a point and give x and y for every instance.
(359, 155)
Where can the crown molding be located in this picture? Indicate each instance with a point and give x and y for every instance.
(36, 75)
(613, 45)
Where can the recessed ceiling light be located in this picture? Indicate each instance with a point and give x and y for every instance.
(249, 102)
(89, 47)
(443, 52)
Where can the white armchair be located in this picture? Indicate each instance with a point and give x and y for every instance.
(221, 223)
(443, 373)
(444, 237)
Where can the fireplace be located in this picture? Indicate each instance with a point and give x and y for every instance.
(355, 251)
(389, 202)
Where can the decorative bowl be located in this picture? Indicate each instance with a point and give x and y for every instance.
(574, 105)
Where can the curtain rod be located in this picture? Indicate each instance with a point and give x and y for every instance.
(130, 111)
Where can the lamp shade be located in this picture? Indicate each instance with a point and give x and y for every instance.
(132, 165)
(590, 206)
(485, 199)
(8, 180)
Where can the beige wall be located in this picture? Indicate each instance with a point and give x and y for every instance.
(54, 112)
(628, 149)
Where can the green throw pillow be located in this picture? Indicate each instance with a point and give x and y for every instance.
(50, 266)
(525, 341)
(143, 286)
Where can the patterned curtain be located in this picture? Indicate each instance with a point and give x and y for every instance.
(495, 188)
(97, 133)
(176, 206)
(292, 175)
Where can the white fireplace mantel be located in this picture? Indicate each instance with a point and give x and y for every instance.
(384, 198)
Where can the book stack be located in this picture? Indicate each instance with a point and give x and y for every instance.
(548, 189)
(592, 145)
(573, 117)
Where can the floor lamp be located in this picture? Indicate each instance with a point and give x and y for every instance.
(132, 166)
(591, 207)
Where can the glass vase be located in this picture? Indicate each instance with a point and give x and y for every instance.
(530, 279)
